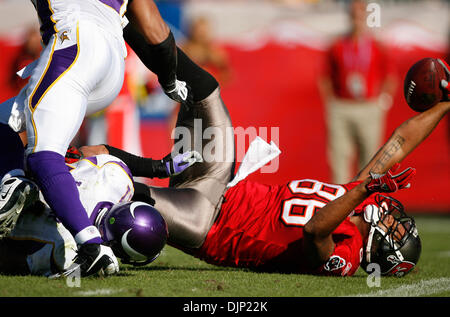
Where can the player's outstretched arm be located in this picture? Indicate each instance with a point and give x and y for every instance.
(142, 166)
(318, 241)
(404, 140)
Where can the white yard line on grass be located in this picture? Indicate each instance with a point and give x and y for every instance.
(434, 225)
(102, 291)
(422, 288)
(444, 254)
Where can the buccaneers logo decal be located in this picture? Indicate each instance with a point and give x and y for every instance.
(334, 263)
(401, 269)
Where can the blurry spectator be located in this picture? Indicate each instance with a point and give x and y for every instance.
(357, 90)
(29, 51)
(447, 59)
(200, 47)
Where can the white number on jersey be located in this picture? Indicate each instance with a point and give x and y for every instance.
(297, 211)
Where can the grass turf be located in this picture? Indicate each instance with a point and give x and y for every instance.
(175, 274)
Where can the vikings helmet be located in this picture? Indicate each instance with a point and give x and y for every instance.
(393, 242)
(135, 231)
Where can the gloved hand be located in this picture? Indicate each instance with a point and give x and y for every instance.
(445, 82)
(180, 92)
(175, 165)
(391, 182)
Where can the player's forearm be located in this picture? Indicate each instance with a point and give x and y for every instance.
(328, 218)
(152, 41)
(139, 166)
(146, 18)
(405, 139)
(318, 242)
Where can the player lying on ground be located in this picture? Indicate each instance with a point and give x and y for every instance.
(305, 226)
(251, 225)
(39, 244)
(80, 71)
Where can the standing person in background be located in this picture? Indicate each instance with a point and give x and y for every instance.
(28, 52)
(357, 88)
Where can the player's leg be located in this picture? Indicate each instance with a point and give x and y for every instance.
(213, 174)
(69, 70)
(188, 213)
(210, 132)
(16, 192)
(38, 245)
(191, 206)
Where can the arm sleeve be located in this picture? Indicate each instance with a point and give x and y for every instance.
(161, 58)
(139, 166)
(201, 82)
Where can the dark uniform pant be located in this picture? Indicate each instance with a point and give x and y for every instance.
(192, 202)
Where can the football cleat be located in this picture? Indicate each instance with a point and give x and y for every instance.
(16, 194)
(92, 259)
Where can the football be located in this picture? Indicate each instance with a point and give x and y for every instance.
(422, 85)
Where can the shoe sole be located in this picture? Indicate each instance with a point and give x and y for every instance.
(24, 198)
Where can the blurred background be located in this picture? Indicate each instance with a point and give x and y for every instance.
(292, 64)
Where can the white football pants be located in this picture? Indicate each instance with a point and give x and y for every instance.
(79, 72)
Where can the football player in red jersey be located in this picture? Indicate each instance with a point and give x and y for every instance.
(305, 226)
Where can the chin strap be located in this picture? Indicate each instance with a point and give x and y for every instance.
(369, 243)
(139, 263)
(371, 216)
(100, 216)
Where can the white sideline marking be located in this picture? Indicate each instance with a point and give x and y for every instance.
(444, 254)
(104, 291)
(422, 288)
(434, 226)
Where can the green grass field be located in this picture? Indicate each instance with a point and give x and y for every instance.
(175, 274)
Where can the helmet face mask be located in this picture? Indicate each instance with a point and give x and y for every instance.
(393, 242)
(135, 231)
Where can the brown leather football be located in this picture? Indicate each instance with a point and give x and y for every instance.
(422, 85)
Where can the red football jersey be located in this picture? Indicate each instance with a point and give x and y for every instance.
(261, 227)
